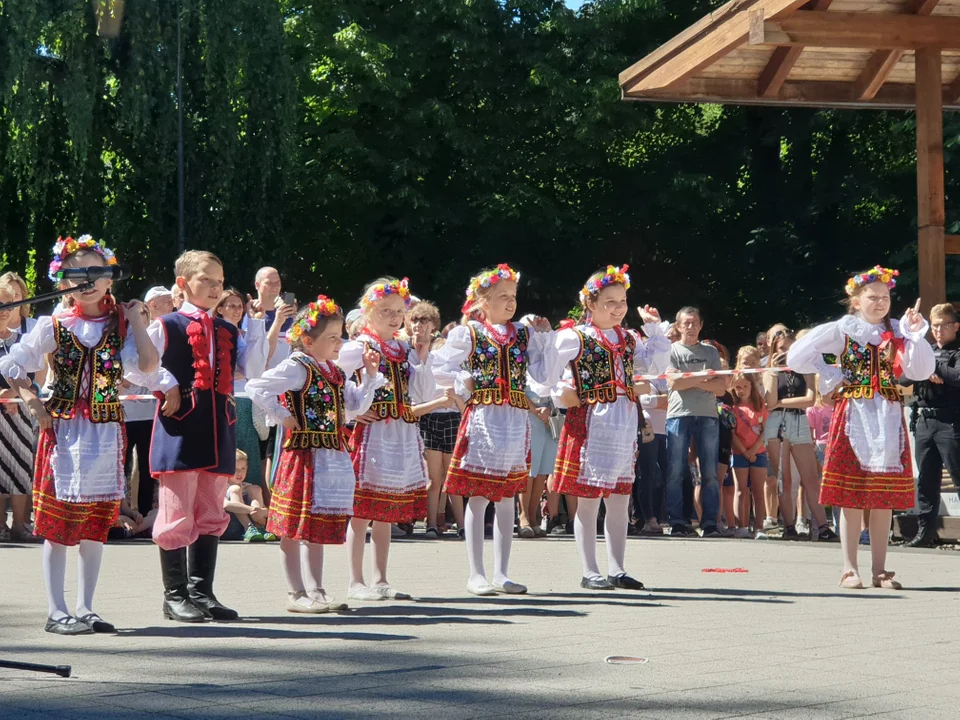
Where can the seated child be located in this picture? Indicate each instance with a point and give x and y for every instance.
(245, 501)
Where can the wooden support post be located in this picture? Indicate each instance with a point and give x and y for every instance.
(931, 213)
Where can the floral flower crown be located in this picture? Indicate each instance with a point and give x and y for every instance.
(487, 279)
(598, 281)
(65, 247)
(877, 274)
(381, 290)
(322, 307)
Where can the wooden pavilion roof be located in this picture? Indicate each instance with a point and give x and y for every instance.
(821, 53)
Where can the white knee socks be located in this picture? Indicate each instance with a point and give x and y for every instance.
(311, 559)
(290, 555)
(615, 531)
(88, 571)
(585, 532)
(54, 575)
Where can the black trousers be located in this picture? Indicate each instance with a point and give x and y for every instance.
(138, 436)
(937, 445)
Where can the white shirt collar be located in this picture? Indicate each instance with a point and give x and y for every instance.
(188, 308)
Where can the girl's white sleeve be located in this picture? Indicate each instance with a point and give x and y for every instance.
(350, 358)
(652, 356)
(806, 355)
(30, 354)
(253, 349)
(448, 361)
(543, 362)
(918, 361)
(130, 357)
(423, 385)
(357, 399)
(265, 391)
(568, 345)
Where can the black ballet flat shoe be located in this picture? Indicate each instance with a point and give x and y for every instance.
(625, 582)
(97, 623)
(68, 625)
(595, 584)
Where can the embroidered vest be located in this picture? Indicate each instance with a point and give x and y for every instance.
(497, 367)
(202, 434)
(393, 399)
(866, 373)
(594, 371)
(106, 372)
(318, 408)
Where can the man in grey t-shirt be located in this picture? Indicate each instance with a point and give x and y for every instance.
(692, 415)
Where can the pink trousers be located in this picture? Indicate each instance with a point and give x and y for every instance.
(191, 504)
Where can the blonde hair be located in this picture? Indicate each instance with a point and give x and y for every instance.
(943, 310)
(191, 261)
(476, 313)
(11, 280)
(742, 355)
(241, 455)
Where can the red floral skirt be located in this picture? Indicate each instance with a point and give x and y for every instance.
(566, 472)
(292, 500)
(471, 483)
(846, 484)
(383, 506)
(66, 523)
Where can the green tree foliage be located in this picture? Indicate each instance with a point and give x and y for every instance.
(344, 139)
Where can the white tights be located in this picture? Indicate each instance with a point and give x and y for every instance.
(302, 564)
(614, 531)
(356, 538)
(55, 571)
(502, 538)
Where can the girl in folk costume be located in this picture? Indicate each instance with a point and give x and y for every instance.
(313, 492)
(867, 464)
(386, 447)
(598, 444)
(489, 358)
(78, 476)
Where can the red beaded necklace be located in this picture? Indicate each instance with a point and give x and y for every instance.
(329, 371)
(500, 338)
(395, 356)
(620, 348)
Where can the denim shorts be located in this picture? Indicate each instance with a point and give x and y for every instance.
(740, 461)
(788, 425)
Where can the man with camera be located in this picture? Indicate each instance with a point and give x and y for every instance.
(936, 423)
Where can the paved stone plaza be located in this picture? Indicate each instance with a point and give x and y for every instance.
(779, 641)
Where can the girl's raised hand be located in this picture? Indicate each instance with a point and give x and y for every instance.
(648, 314)
(371, 362)
(914, 318)
(133, 311)
(541, 324)
(253, 308)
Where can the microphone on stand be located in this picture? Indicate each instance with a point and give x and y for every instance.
(94, 273)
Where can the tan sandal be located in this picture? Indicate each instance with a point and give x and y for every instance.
(885, 580)
(851, 581)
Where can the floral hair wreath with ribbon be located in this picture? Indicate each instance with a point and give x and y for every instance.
(487, 279)
(599, 280)
(65, 247)
(878, 274)
(321, 307)
(382, 290)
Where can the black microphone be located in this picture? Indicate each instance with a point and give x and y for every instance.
(94, 273)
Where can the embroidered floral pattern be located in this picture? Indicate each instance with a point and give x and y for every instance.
(866, 371)
(497, 368)
(69, 360)
(594, 373)
(393, 399)
(318, 408)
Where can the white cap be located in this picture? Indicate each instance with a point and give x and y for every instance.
(155, 292)
(353, 316)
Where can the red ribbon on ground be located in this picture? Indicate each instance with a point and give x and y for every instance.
(725, 570)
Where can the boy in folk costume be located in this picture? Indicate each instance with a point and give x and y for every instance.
(386, 447)
(78, 476)
(598, 443)
(193, 451)
(867, 463)
(313, 493)
(489, 358)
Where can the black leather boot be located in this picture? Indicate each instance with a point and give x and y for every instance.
(203, 563)
(176, 597)
(926, 536)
